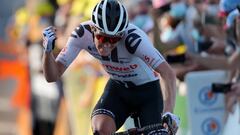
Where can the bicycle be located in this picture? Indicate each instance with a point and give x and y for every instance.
(154, 129)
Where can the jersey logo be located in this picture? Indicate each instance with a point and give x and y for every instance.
(79, 30)
(106, 58)
(132, 41)
(74, 36)
(87, 27)
(113, 57)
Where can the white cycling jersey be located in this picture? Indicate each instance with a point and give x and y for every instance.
(133, 59)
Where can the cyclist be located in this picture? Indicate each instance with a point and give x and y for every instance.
(130, 59)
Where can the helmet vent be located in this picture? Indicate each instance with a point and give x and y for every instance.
(124, 20)
(112, 15)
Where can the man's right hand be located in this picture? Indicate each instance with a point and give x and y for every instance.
(171, 121)
(49, 37)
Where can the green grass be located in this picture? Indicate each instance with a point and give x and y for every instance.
(181, 111)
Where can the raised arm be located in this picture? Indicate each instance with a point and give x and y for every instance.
(52, 70)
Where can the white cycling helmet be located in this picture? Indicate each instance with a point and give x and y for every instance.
(110, 17)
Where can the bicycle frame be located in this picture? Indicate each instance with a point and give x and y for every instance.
(147, 130)
(154, 129)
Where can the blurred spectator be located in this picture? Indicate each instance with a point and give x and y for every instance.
(182, 19)
(231, 8)
(45, 97)
(141, 18)
(229, 58)
(229, 54)
(62, 14)
(190, 26)
(7, 10)
(14, 79)
(159, 3)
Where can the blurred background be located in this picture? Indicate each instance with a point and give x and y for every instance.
(184, 31)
